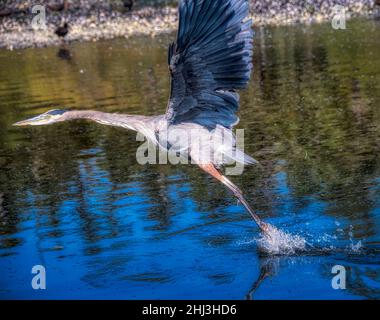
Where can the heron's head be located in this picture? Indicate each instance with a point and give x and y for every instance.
(49, 117)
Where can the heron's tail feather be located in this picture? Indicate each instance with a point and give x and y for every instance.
(244, 158)
(239, 156)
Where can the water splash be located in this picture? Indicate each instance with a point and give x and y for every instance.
(279, 242)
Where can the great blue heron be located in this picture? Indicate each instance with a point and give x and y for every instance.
(210, 59)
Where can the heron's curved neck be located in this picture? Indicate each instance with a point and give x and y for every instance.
(110, 119)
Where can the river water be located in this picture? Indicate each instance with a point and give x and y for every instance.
(74, 199)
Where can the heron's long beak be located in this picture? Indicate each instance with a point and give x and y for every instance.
(35, 121)
(22, 123)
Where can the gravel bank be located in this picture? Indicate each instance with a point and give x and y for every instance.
(91, 20)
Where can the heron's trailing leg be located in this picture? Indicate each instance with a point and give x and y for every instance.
(210, 169)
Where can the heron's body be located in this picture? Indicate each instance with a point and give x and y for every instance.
(209, 61)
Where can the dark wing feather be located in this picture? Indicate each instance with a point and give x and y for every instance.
(209, 61)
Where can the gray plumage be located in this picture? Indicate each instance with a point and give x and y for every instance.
(209, 61)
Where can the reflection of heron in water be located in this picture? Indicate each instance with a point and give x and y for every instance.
(268, 268)
(209, 61)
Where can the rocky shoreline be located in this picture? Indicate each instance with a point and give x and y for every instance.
(91, 21)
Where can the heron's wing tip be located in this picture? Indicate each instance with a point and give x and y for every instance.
(211, 58)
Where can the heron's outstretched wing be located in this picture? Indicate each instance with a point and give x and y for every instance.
(209, 61)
